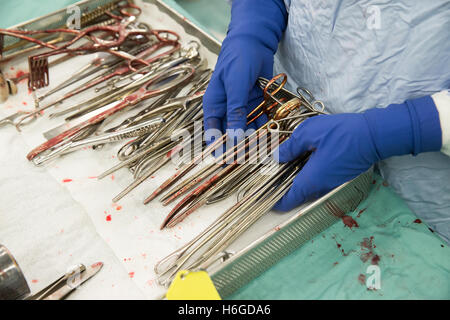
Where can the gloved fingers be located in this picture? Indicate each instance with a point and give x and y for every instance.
(239, 80)
(261, 120)
(252, 104)
(214, 105)
(213, 129)
(298, 143)
(256, 97)
(304, 187)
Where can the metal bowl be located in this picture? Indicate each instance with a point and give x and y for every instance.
(13, 285)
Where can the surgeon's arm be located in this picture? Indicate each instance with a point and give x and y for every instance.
(247, 53)
(345, 145)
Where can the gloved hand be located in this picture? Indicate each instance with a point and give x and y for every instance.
(247, 53)
(346, 145)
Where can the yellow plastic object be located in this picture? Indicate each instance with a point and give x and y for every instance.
(190, 285)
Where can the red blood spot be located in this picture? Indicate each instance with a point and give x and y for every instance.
(97, 264)
(20, 74)
(12, 68)
(335, 264)
(374, 181)
(92, 177)
(119, 208)
(417, 221)
(366, 256)
(360, 212)
(367, 244)
(34, 281)
(153, 177)
(385, 184)
(375, 259)
(67, 180)
(131, 274)
(24, 103)
(112, 177)
(30, 91)
(173, 151)
(362, 279)
(349, 222)
(108, 217)
(277, 228)
(338, 245)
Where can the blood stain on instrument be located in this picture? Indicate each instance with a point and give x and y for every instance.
(118, 208)
(417, 221)
(19, 74)
(67, 180)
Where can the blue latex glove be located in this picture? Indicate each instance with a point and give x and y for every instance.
(247, 53)
(346, 145)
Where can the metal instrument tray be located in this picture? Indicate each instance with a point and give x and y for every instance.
(276, 235)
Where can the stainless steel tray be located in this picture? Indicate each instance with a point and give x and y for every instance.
(257, 255)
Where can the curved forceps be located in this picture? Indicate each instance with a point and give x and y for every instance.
(176, 75)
